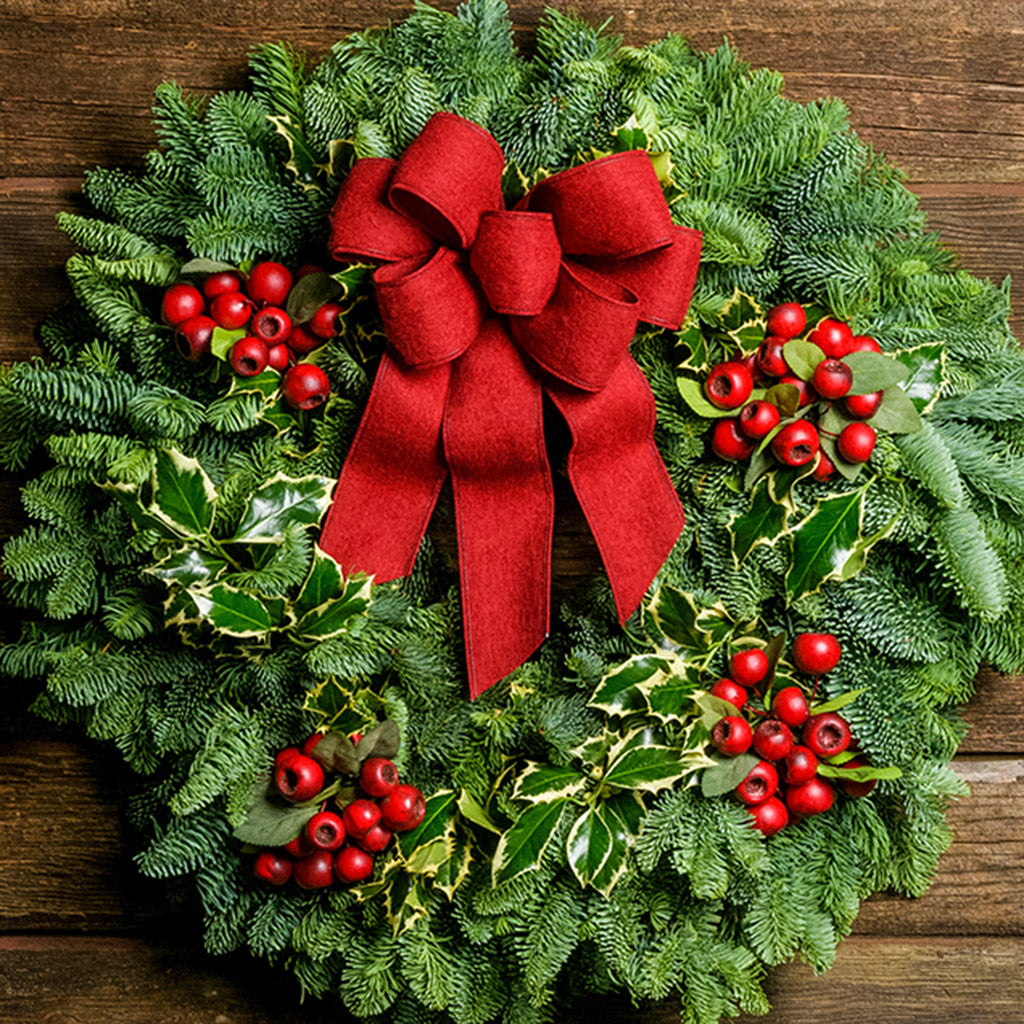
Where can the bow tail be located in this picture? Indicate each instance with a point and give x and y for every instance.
(504, 505)
(393, 474)
(620, 480)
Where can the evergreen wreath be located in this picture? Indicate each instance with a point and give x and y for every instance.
(178, 606)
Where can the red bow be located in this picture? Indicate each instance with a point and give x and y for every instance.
(586, 254)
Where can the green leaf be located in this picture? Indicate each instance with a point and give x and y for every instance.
(222, 340)
(455, 869)
(438, 823)
(183, 495)
(270, 820)
(679, 618)
(785, 397)
(471, 809)
(335, 616)
(764, 522)
(541, 783)
(640, 763)
(589, 845)
(309, 293)
(337, 753)
(282, 502)
(521, 848)
(383, 740)
(828, 544)
(618, 692)
(873, 371)
(623, 814)
(200, 266)
(927, 366)
(863, 773)
(802, 357)
(324, 582)
(837, 702)
(188, 566)
(237, 612)
(726, 775)
(691, 338)
(740, 310)
(671, 698)
(897, 414)
(713, 709)
(693, 395)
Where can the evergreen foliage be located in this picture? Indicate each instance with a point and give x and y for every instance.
(793, 206)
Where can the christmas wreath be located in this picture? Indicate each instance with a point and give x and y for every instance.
(392, 769)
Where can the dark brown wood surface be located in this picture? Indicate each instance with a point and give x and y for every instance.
(938, 85)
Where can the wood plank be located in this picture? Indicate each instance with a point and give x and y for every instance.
(142, 981)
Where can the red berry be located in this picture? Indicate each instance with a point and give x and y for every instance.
(772, 739)
(300, 846)
(816, 653)
(279, 357)
(801, 765)
(271, 325)
(790, 706)
(863, 407)
(726, 689)
(833, 337)
(325, 831)
(248, 356)
(360, 816)
(299, 778)
(310, 742)
(375, 840)
(749, 667)
(805, 392)
(221, 282)
(810, 797)
(181, 302)
(863, 343)
(231, 310)
(352, 865)
(314, 871)
(323, 323)
(760, 784)
(285, 755)
(269, 283)
(728, 385)
(193, 337)
(786, 320)
(732, 735)
(826, 735)
(857, 789)
(825, 468)
(272, 867)
(769, 360)
(305, 386)
(832, 378)
(769, 817)
(796, 443)
(403, 808)
(856, 442)
(301, 342)
(378, 776)
(758, 419)
(729, 442)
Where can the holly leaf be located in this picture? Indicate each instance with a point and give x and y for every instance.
(724, 776)
(324, 582)
(691, 338)
(927, 366)
(187, 566)
(271, 820)
(898, 413)
(828, 544)
(739, 311)
(589, 845)
(455, 869)
(437, 826)
(802, 357)
(623, 814)
(680, 620)
(522, 846)
(335, 616)
(239, 613)
(764, 522)
(282, 502)
(619, 693)
(667, 698)
(471, 809)
(873, 371)
(183, 495)
(637, 762)
(540, 783)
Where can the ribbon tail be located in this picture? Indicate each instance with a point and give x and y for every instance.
(393, 474)
(620, 480)
(504, 506)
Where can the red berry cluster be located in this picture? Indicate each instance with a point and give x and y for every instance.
(729, 386)
(256, 304)
(784, 758)
(338, 846)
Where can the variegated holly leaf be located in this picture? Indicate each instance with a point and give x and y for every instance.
(282, 502)
(927, 366)
(325, 581)
(541, 783)
(740, 311)
(681, 620)
(522, 846)
(271, 820)
(472, 810)
(764, 522)
(335, 616)
(671, 698)
(405, 901)
(301, 159)
(873, 371)
(691, 338)
(589, 845)
(239, 613)
(725, 775)
(425, 847)
(183, 495)
(619, 691)
(638, 761)
(623, 814)
(455, 869)
(188, 566)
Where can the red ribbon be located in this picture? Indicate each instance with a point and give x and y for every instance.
(586, 254)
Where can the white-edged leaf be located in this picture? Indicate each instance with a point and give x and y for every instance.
(188, 566)
(541, 783)
(280, 502)
(521, 847)
(183, 495)
(236, 612)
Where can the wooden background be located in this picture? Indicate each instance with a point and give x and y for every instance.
(938, 85)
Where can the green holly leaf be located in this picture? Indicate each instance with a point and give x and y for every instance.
(239, 613)
(589, 845)
(618, 692)
(638, 762)
(678, 617)
(336, 615)
(898, 413)
(691, 338)
(188, 566)
(802, 357)
(522, 846)
(873, 371)
(725, 775)
(282, 502)
(670, 698)
(764, 522)
(540, 783)
(741, 310)
(183, 495)
(271, 820)
(437, 827)
(927, 366)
